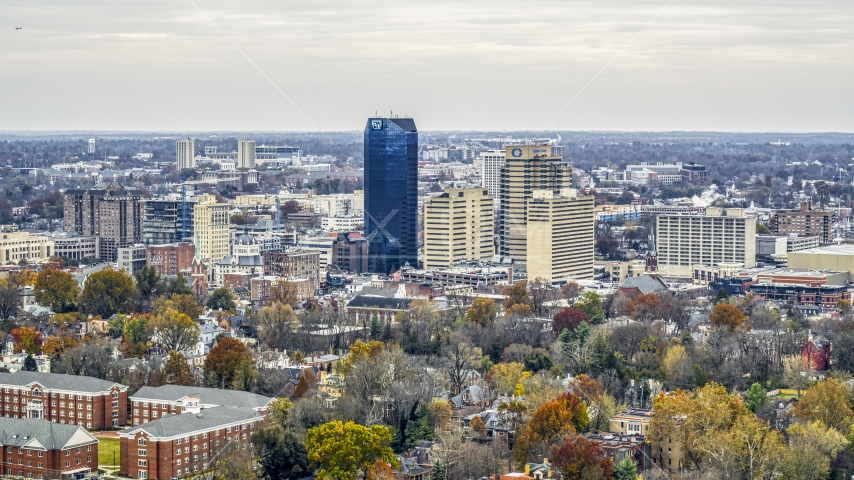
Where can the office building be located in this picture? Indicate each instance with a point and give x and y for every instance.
(780, 245)
(560, 236)
(151, 403)
(72, 246)
(185, 154)
(41, 449)
(177, 446)
(804, 222)
(91, 146)
(526, 168)
(210, 229)
(723, 235)
(292, 264)
(17, 246)
(171, 258)
(131, 258)
(65, 399)
(459, 226)
(113, 214)
(163, 220)
(246, 154)
(391, 193)
(491, 163)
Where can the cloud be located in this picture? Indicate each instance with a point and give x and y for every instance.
(723, 65)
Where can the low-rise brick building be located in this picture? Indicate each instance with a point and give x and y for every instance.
(45, 450)
(181, 445)
(65, 399)
(152, 403)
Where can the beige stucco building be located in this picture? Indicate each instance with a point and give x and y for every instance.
(723, 235)
(560, 236)
(526, 168)
(17, 246)
(211, 229)
(458, 225)
(831, 257)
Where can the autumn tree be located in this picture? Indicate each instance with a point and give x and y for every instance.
(284, 292)
(570, 292)
(568, 319)
(27, 340)
(221, 299)
(277, 323)
(136, 334)
(644, 308)
(477, 429)
(177, 370)
(828, 402)
(108, 292)
(175, 330)
(728, 316)
(505, 376)
(380, 470)
(56, 289)
(55, 345)
(516, 294)
(563, 416)
(346, 451)
(482, 311)
(591, 304)
(578, 458)
(677, 364)
(182, 302)
(230, 365)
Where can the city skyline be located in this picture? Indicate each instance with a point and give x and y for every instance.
(650, 66)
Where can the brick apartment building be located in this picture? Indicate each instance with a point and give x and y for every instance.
(181, 445)
(152, 403)
(804, 222)
(45, 450)
(350, 252)
(169, 259)
(296, 264)
(260, 287)
(64, 399)
(113, 214)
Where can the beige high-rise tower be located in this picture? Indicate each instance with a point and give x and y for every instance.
(246, 154)
(185, 154)
(211, 229)
(458, 225)
(526, 168)
(560, 236)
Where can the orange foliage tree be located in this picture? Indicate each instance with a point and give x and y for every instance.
(27, 340)
(644, 307)
(230, 365)
(565, 415)
(579, 458)
(727, 315)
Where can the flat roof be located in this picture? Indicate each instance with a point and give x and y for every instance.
(800, 272)
(828, 250)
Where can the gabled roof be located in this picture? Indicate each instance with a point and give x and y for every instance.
(58, 381)
(176, 425)
(366, 301)
(42, 434)
(206, 396)
(645, 283)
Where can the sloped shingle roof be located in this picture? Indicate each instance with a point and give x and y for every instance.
(59, 381)
(206, 396)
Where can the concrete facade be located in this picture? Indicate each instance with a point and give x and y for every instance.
(560, 236)
(458, 225)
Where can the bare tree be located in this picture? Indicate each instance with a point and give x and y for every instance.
(459, 356)
(10, 300)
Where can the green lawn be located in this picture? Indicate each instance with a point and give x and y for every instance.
(106, 449)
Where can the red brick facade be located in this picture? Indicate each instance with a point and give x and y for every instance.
(99, 410)
(171, 258)
(145, 456)
(32, 463)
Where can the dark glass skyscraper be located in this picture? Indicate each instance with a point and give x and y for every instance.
(391, 193)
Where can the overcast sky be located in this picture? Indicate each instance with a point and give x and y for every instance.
(728, 65)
